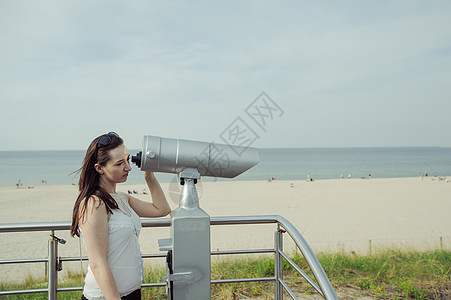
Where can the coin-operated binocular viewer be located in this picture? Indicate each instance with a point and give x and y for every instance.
(188, 258)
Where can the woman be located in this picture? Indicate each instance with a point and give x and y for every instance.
(109, 221)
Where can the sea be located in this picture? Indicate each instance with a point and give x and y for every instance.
(31, 168)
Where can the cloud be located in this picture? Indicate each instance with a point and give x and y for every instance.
(188, 69)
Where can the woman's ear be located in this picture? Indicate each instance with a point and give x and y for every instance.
(98, 169)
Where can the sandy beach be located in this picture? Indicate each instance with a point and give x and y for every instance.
(332, 215)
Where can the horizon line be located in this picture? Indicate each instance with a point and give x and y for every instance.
(266, 148)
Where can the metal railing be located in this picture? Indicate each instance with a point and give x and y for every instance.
(322, 284)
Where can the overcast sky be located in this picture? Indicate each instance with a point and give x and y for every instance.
(289, 73)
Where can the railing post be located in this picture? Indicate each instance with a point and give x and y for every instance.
(52, 268)
(278, 263)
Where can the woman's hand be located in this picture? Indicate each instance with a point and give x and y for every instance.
(159, 206)
(149, 176)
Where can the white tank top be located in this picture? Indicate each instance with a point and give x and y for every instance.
(124, 254)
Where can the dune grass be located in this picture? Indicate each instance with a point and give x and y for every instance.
(393, 274)
(388, 274)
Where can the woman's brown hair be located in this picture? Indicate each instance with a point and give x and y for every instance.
(88, 185)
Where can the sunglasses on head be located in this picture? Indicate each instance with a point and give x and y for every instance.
(105, 139)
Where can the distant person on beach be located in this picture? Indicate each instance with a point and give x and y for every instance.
(109, 222)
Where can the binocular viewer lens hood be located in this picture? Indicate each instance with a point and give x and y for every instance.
(210, 159)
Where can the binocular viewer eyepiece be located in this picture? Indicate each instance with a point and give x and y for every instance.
(210, 159)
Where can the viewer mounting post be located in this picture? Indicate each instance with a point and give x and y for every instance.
(189, 246)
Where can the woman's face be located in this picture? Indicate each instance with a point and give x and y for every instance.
(117, 168)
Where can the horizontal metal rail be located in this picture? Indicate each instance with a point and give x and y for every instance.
(20, 292)
(24, 261)
(323, 287)
(243, 280)
(85, 258)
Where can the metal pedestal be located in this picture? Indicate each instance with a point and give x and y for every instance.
(189, 246)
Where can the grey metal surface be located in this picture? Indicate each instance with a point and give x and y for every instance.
(52, 271)
(243, 280)
(278, 263)
(190, 236)
(19, 292)
(303, 274)
(210, 159)
(34, 226)
(285, 286)
(252, 251)
(312, 261)
(24, 261)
